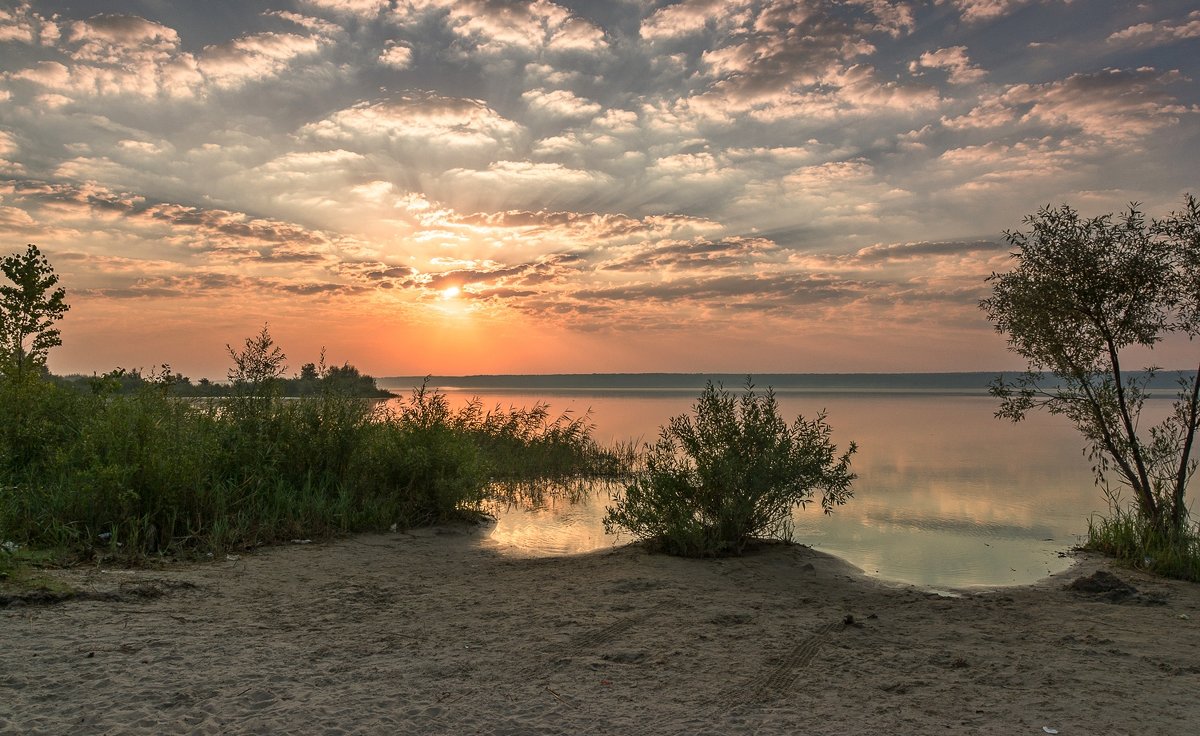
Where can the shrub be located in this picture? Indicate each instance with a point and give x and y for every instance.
(732, 473)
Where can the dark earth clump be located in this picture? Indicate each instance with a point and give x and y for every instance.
(1106, 586)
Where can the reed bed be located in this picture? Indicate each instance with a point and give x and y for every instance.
(1129, 538)
(102, 472)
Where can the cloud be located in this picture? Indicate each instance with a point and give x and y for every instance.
(526, 27)
(524, 180)
(114, 39)
(560, 103)
(8, 144)
(893, 17)
(979, 11)
(579, 229)
(1158, 34)
(787, 44)
(699, 253)
(220, 232)
(206, 284)
(586, 166)
(362, 8)
(763, 293)
(315, 25)
(795, 60)
(954, 60)
(486, 276)
(254, 57)
(991, 169)
(1115, 105)
(13, 219)
(114, 54)
(19, 24)
(421, 118)
(687, 17)
(396, 56)
(892, 252)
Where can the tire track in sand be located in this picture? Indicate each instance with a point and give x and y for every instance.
(775, 681)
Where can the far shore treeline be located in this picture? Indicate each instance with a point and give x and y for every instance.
(313, 380)
(691, 383)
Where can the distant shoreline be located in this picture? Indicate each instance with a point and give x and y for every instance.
(975, 382)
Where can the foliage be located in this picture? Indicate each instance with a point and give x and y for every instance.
(29, 308)
(258, 366)
(128, 466)
(1084, 291)
(516, 439)
(732, 472)
(146, 472)
(1130, 538)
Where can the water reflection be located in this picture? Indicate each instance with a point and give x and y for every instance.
(946, 495)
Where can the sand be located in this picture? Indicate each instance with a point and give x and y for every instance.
(442, 632)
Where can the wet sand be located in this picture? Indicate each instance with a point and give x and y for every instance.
(441, 632)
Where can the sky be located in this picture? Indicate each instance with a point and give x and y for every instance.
(524, 186)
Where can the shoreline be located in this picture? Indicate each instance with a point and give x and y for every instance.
(438, 631)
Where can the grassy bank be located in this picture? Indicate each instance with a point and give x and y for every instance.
(148, 473)
(1132, 540)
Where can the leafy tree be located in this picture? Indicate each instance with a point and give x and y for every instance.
(259, 365)
(1084, 291)
(29, 308)
(732, 472)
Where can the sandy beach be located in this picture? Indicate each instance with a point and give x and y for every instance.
(442, 632)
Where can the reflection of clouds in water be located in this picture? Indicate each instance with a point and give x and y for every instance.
(948, 559)
(900, 519)
(947, 495)
(557, 527)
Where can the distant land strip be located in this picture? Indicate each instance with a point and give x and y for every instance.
(972, 382)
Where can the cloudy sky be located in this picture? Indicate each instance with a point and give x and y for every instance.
(474, 186)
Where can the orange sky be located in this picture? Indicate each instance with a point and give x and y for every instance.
(536, 187)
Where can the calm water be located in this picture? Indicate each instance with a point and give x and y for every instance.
(947, 496)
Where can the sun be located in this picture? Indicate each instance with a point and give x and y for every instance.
(450, 292)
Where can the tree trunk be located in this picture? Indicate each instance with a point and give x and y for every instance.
(1144, 489)
(1178, 516)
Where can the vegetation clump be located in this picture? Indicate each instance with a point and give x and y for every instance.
(117, 467)
(1083, 293)
(30, 305)
(730, 473)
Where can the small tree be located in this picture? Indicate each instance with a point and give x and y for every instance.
(1083, 291)
(29, 308)
(259, 365)
(731, 474)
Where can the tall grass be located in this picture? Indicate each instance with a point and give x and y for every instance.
(1135, 541)
(149, 473)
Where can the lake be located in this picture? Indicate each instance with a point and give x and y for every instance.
(946, 495)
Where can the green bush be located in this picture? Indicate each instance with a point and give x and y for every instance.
(149, 472)
(732, 473)
(121, 462)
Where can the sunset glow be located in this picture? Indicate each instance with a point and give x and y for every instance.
(487, 186)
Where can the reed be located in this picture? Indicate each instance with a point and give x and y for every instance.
(1135, 541)
(147, 473)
